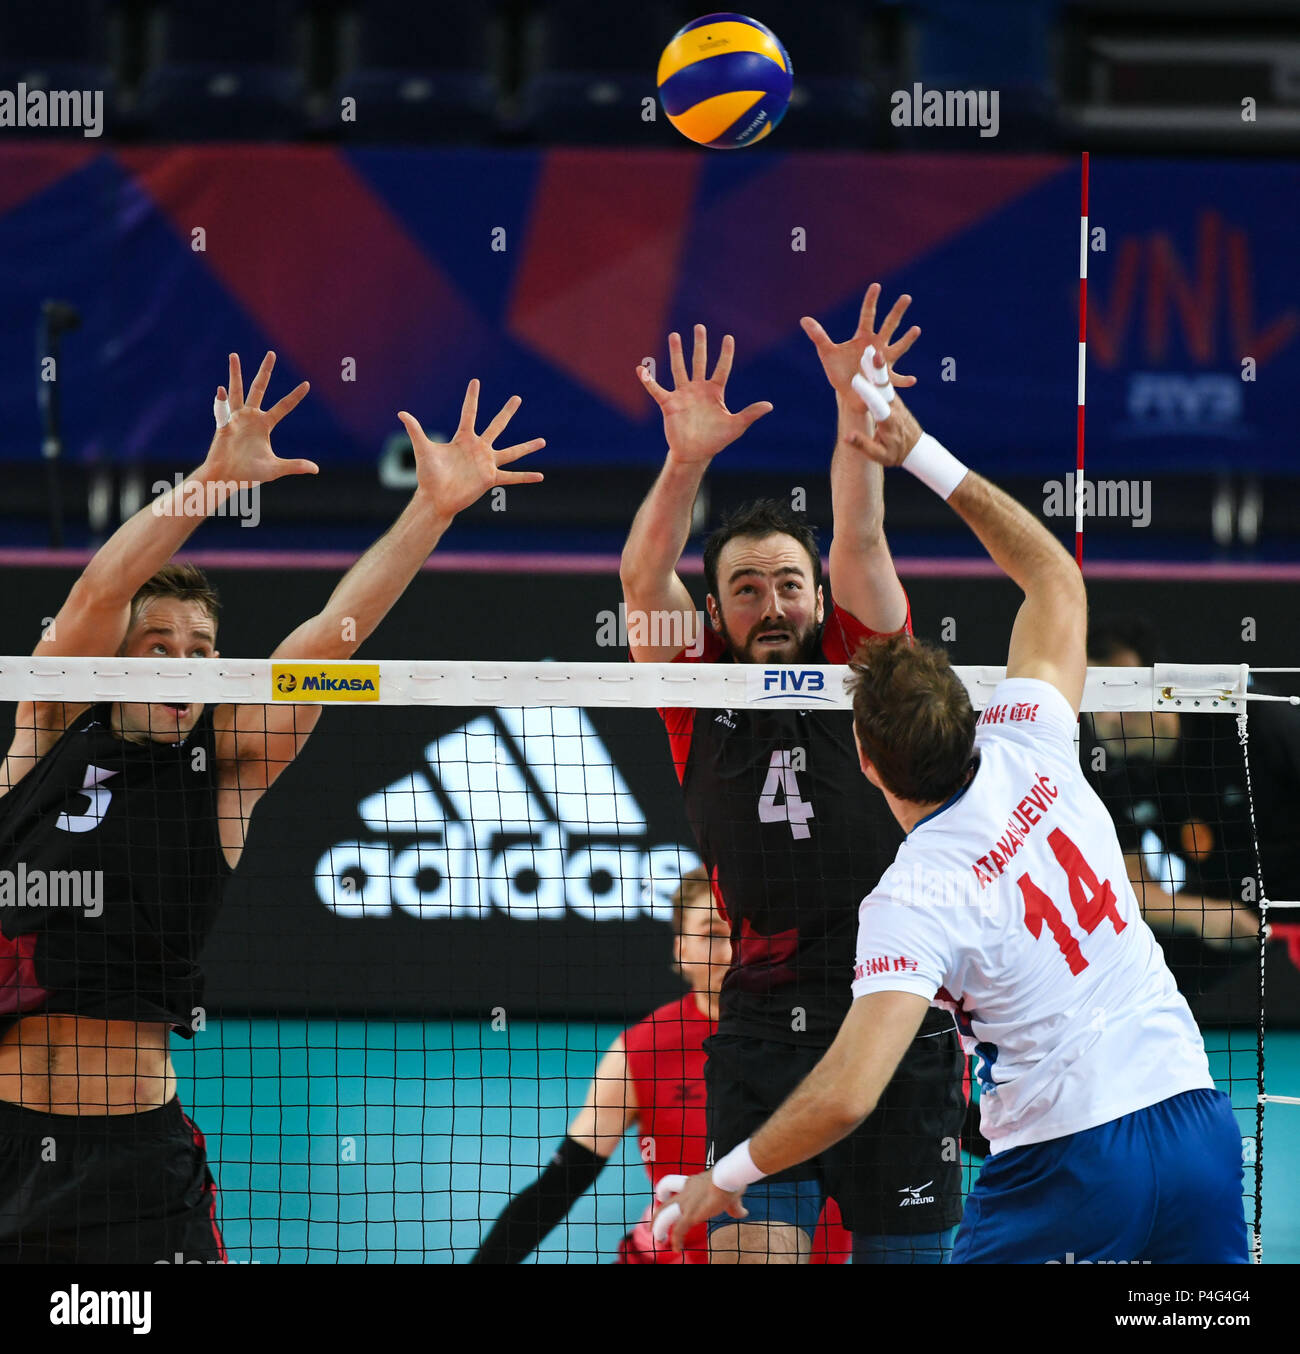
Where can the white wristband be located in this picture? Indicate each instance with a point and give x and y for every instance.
(935, 466)
(736, 1170)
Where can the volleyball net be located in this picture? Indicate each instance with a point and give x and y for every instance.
(469, 885)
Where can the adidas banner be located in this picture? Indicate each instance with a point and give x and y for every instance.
(463, 860)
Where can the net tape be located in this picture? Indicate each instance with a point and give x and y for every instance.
(1203, 687)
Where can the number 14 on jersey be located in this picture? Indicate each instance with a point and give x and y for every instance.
(1092, 901)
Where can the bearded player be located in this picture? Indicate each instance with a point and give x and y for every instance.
(652, 1076)
(790, 841)
(1010, 904)
(155, 799)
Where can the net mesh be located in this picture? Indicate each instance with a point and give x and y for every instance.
(467, 889)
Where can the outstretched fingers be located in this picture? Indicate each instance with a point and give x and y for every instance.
(725, 354)
(821, 339)
(896, 313)
(700, 354)
(753, 412)
(504, 415)
(288, 403)
(867, 315)
(296, 468)
(261, 381)
(676, 361)
(505, 455)
(895, 351)
(236, 383)
(469, 408)
(412, 426)
(657, 393)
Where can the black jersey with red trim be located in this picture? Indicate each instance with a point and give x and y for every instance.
(794, 837)
(111, 874)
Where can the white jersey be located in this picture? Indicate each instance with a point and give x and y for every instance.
(1011, 906)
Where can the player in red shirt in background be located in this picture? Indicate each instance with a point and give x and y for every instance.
(652, 1076)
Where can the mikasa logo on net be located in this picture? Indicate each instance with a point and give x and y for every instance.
(520, 811)
(309, 682)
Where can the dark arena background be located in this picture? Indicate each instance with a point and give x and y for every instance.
(404, 1008)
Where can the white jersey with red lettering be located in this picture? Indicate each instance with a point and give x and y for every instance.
(1010, 905)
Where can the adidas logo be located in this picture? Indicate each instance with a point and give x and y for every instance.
(519, 811)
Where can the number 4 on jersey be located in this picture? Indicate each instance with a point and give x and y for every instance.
(1091, 901)
(793, 809)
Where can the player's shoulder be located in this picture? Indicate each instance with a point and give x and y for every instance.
(679, 1022)
(710, 649)
(843, 633)
(928, 874)
(1026, 708)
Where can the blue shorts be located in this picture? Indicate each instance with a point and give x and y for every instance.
(1159, 1186)
(800, 1203)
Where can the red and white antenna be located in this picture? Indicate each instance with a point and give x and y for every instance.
(1083, 352)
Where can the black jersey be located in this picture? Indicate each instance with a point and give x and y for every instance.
(794, 837)
(111, 873)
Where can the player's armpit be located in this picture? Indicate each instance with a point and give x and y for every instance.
(867, 586)
(254, 743)
(1048, 639)
(661, 619)
(610, 1106)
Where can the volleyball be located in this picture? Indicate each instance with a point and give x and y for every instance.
(724, 81)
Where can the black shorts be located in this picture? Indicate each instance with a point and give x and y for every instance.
(120, 1188)
(899, 1174)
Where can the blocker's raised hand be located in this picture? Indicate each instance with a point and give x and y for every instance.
(840, 361)
(241, 446)
(455, 474)
(697, 422)
(889, 440)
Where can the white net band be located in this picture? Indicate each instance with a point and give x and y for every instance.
(1204, 687)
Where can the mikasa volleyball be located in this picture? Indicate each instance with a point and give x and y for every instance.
(724, 81)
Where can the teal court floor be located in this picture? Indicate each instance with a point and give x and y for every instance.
(382, 1141)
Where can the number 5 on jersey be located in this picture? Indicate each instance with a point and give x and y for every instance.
(783, 780)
